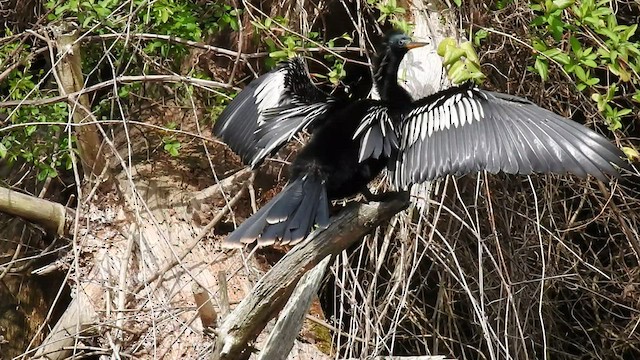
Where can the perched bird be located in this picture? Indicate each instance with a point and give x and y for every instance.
(456, 131)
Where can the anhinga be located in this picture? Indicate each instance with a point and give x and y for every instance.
(456, 131)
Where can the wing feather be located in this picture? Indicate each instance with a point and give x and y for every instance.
(376, 132)
(271, 110)
(465, 129)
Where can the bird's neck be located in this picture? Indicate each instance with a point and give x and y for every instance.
(386, 78)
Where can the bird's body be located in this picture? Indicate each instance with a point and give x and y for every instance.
(332, 154)
(456, 131)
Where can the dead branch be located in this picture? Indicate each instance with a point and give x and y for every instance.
(221, 51)
(50, 215)
(282, 337)
(206, 312)
(80, 317)
(272, 291)
(223, 292)
(124, 79)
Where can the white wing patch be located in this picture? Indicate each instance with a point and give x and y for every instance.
(269, 93)
(444, 113)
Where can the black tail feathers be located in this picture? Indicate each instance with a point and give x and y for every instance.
(288, 218)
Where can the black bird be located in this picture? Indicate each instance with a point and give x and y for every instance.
(456, 131)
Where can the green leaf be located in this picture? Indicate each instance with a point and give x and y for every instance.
(278, 54)
(592, 81)
(614, 123)
(29, 130)
(620, 71)
(579, 71)
(600, 100)
(552, 52)
(562, 58)
(173, 148)
(538, 21)
(444, 44)
(629, 32)
(632, 153)
(42, 175)
(623, 112)
(536, 7)
(480, 35)
(539, 45)
(52, 172)
(563, 4)
(588, 51)
(3, 151)
(457, 72)
(452, 55)
(576, 47)
(608, 33)
(234, 25)
(542, 67)
(469, 52)
(556, 26)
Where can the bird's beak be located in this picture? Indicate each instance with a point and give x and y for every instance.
(416, 44)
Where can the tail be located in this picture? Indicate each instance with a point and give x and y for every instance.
(288, 218)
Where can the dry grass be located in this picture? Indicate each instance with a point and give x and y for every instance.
(502, 267)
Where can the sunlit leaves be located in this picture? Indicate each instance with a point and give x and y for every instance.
(461, 61)
(590, 46)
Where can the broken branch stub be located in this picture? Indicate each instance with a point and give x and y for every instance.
(52, 216)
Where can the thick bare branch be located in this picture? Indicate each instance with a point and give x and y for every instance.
(272, 291)
(288, 326)
(50, 215)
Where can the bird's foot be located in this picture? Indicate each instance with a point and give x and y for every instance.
(385, 196)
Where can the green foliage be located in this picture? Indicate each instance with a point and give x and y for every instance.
(461, 61)
(288, 45)
(45, 146)
(171, 143)
(388, 10)
(22, 138)
(599, 54)
(180, 18)
(393, 13)
(282, 47)
(479, 36)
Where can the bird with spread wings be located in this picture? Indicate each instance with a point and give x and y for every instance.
(457, 131)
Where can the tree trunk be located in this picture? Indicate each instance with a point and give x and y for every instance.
(71, 80)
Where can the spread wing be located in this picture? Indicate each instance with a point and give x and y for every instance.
(465, 129)
(271, 110)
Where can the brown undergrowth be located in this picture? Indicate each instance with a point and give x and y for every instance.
(503, 267)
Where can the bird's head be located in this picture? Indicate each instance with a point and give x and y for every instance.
(400, 43)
